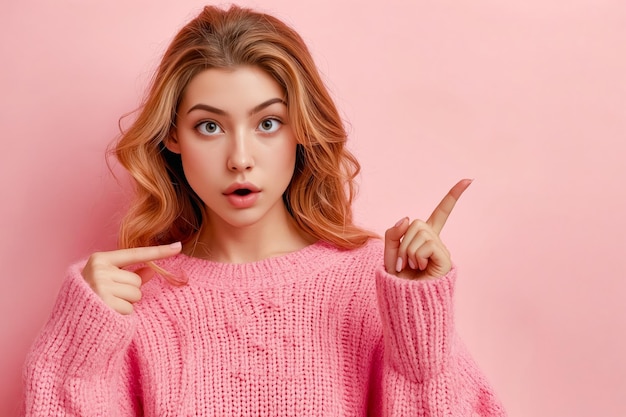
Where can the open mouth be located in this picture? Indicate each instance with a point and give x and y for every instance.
(242, 195)
(242, 191)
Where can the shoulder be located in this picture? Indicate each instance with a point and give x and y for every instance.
(370, 254)
(356, 265)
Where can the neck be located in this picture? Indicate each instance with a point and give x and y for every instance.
(223, 242)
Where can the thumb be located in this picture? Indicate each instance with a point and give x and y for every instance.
(145, 273)
(393, 237)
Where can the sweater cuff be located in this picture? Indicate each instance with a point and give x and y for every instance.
(83, 334)
(418, 323)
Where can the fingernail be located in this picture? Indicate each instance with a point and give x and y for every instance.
(399, 264)
(422, 265)
(176, 245)
(411, 264)
(399, 222)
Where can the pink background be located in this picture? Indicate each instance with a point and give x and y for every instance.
(528, 97)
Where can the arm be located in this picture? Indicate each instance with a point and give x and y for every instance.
(81, 363)
(425, 369)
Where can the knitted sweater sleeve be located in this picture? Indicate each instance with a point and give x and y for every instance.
(425, 370)
(79, 364)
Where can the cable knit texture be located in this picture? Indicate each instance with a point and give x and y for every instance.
(317, 332)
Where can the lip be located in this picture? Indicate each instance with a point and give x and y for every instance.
(241, 185)
(242, 201)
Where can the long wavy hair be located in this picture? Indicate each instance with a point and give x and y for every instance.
(322, 189)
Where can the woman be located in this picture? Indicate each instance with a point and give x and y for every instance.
(270, 301)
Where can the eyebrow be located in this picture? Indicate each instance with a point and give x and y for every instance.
(255, 110)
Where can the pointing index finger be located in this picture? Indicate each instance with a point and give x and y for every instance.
(440, 215)
(126, 257)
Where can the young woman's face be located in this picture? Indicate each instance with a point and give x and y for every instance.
(237, 148)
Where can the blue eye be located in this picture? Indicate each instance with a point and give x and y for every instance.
(269, 125)
(209, 128)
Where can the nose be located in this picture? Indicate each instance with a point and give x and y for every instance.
(240, 157)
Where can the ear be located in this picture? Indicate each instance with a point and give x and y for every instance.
(171, 142)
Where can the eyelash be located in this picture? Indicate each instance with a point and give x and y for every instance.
(273, 119)
(198, 126)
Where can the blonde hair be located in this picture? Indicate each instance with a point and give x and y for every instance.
(322, 189)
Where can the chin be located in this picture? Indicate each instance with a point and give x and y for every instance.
(242, 220)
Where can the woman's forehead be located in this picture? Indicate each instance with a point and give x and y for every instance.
(233, 88)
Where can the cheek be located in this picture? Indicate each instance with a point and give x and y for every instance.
(287, 160)
(190, 164)
(197, 167)
(288, 153)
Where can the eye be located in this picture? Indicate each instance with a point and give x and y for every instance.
(208, 128)
(269, 125)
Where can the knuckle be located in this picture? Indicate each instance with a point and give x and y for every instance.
(97, 258)
(412, 247)
(419, 223)
(95, 275)
(136, 280)
(136, 295)
(424, 234)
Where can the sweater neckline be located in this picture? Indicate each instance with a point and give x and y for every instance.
(268, 272)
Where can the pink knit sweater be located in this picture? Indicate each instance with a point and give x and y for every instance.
(317, 332)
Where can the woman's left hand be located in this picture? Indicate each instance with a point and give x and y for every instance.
(414, 250)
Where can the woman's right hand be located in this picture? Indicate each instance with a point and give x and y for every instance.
(118, 288)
